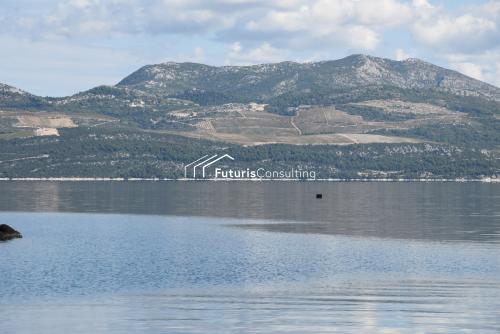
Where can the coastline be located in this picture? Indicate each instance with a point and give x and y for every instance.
(119, 179)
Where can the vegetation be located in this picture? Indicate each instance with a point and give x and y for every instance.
(466, 135)
(374, 113)
(205, 98)
(121, 152)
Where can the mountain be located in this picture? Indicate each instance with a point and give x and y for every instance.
(271, 80)
(382, 110)
(11, 97)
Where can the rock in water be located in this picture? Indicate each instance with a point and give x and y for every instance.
(7, 233)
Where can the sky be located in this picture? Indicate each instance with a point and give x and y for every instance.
(61, 47)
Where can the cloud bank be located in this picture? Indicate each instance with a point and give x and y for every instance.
(466, 37)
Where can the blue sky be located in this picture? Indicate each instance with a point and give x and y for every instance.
(60, 47)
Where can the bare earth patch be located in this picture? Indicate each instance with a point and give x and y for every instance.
(40, 132)
(44, 121)
(251, 125)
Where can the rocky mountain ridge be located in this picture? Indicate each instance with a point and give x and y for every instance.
(271, 80)
(203, 84)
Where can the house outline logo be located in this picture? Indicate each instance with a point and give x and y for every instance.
(203, 163)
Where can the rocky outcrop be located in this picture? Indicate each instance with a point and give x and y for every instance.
(8, 233)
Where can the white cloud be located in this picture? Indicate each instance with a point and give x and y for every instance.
(400, 54)
(71, 18)
(264, 53)
(358, 37)
(295, 23)
(473, 70)
(468, 39)
(464, 32)
(196, 56)
(485, 66)
(352, 24)
(238, 32)
(423, 7)
(473, 31)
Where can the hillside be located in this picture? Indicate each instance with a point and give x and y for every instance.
(358, 100)
(263, 82)
(13, 98)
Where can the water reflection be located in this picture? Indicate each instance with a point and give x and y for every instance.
(426, 211)
(374, 307)
(109, 273)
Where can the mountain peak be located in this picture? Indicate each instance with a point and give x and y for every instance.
(271, 80)
(413, 60)
(13, 90)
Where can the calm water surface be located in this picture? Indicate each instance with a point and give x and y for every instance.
(231, 257)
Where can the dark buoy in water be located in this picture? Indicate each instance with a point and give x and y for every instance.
(319, 196)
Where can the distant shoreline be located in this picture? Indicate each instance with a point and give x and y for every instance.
(118, 179)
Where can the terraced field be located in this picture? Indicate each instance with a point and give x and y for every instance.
(243, 124)
(21, 124)
(250, 124)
